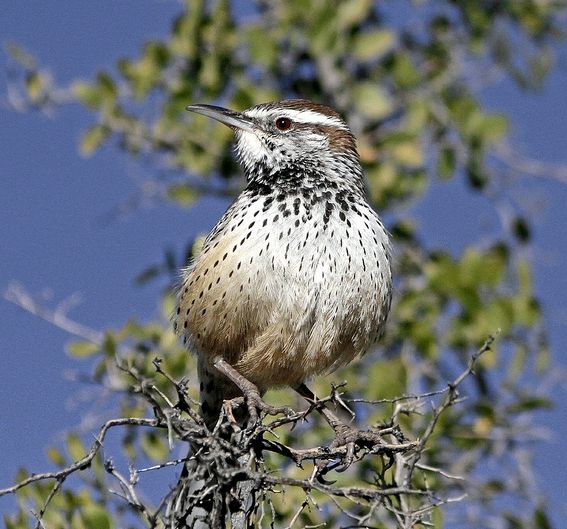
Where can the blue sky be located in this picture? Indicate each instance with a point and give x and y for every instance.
(53, 242)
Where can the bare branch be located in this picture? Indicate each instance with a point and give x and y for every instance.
(16, 293)
(530, 166)
(85, 462)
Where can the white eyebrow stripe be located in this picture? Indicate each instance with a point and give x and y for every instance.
(300, 116)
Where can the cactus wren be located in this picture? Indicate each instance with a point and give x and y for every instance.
(295, 278)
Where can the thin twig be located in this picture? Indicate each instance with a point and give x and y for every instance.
(15, 293)
(84, 462)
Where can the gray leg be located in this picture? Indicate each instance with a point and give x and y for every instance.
(250, 391)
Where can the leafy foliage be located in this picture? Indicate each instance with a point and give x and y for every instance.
(406, 77)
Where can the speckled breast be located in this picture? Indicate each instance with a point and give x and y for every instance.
(289, 285)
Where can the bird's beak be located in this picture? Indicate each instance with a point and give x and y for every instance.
(234, 120)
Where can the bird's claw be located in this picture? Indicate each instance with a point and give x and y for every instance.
(257, 406)
(350, 438)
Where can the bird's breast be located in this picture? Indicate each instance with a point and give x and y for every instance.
(288, 286)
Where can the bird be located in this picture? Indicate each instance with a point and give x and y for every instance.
(295, 279)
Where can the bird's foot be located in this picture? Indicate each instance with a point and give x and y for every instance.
(351, 438)
(256, 405)
(228, 407)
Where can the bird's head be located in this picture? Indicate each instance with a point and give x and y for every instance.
(292, 134)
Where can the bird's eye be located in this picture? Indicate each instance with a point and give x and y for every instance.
(283, 123)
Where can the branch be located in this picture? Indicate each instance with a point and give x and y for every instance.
(453, 393)
(530, 166)
(343, 492)
(15, 293)
(85, 462)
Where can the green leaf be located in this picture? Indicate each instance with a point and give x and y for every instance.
(371, 101)
(106, 85)
(20, 55)
(369, 45)
(154, 446)
(75, 447)
(524, 278)
(261, 46)
(11, 523)
(146, 275)
(541, 520)
(109, 345)
(82, 349)
(386, 379)
(95, 517)
(351, 12)
(404, 71)
(34, 85)
(446, 163)
(437, 518)
(408, 153)
(521, 229)
(518, 362)
(87, 94)
(168, 304)
(494, 127)
(530, 404)
(182, 195)
(543, 358)
(56, 456)
(93, 138)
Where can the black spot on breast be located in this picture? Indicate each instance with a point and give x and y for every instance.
(328, 211)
